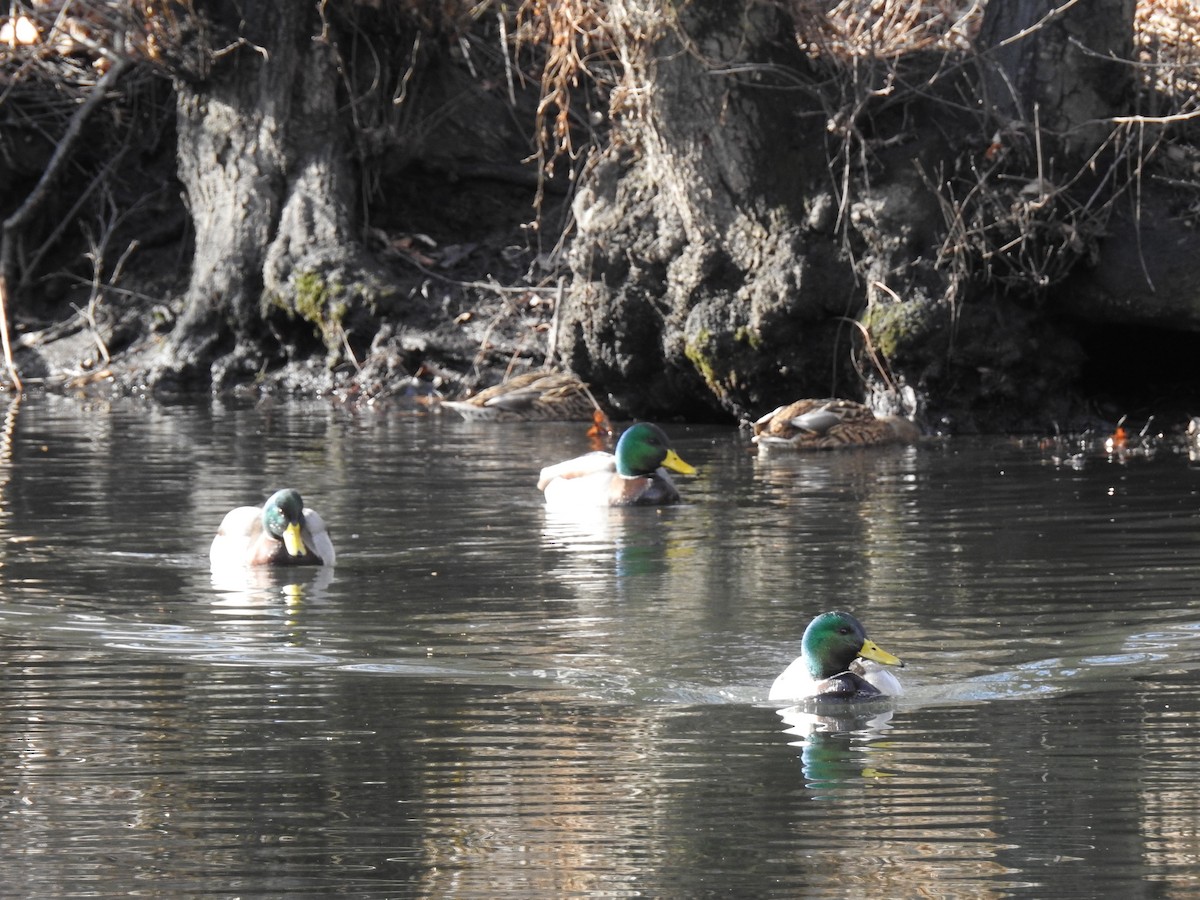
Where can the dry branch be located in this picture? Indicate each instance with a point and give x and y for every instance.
(60, 158)
(8, 358)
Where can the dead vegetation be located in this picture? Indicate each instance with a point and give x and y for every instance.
(1015, 215)
(868, 29)
(570, 43)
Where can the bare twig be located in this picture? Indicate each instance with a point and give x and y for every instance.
(1049, 17)
(877, 359)
(8, 358)
(60, 158)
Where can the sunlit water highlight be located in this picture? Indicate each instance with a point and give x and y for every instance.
(487, 699)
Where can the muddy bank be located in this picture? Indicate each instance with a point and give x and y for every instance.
(481, 302)
(757, 227)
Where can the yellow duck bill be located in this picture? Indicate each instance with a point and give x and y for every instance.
(872, 651)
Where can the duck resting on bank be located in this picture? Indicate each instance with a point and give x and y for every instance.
(830, 424)
(281, 532)
(533, 397)
(634, 476)
(831, 664)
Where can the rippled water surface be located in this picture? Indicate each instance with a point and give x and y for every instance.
(485, 700)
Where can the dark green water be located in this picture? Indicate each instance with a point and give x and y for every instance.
(486, 701)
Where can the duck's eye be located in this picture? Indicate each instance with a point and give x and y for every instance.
(845, 629)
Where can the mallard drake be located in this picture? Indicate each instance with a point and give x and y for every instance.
(282, 532)
(634, 476)
(830, 424)
(534, 397)
(831, 667)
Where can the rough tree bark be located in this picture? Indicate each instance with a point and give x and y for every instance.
(263, 158)
(705, 261)
(1062, 65)
(757, 215)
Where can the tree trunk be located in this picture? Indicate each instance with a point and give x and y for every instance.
(706, 269)
(262, 157)
(778, 226)
(1062, 65)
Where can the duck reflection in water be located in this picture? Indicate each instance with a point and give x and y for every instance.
(245, 587)
(834, 748)
(843, 696)
(262, 553)
(607, 549)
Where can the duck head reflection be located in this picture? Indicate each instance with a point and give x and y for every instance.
(832, 736)
(250, 586)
